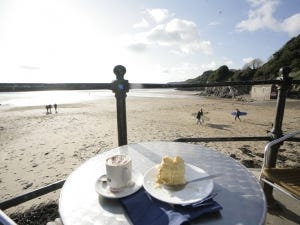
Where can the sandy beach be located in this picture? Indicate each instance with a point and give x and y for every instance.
(38, 148)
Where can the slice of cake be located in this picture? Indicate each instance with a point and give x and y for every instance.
(171, 171)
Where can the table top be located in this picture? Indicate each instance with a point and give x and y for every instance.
(239, 192)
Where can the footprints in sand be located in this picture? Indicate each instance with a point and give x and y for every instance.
(24, 183)
(34, 165)
(248, 158)
(27, 185)
(90, 150)
(253, 158)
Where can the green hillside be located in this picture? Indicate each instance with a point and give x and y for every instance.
(288, 55)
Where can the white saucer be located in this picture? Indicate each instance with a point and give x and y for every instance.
(103, 189)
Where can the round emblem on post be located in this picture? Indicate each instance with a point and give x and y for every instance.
(119, 70)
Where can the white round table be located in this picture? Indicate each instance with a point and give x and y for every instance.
(239, 192)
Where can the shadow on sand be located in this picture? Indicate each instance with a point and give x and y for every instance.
(284, 212)
(219, 126)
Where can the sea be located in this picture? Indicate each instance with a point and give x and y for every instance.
(36, 98)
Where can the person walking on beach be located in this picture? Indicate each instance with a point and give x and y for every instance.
(200, 117)
(47, 108)
(50, 107)
(55, 107)
(237, 114)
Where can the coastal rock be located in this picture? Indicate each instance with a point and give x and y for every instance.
(225, 92)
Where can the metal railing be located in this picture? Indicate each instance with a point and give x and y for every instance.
(120, 87)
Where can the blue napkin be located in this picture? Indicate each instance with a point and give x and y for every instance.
(143, 209)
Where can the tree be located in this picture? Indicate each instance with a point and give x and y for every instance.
(253, 64)
(221, 74)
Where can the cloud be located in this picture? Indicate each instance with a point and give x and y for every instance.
(169, 33)
(180, 36)
(135, 42)
(26, 67)
(291, 25)
(138, 46)
(214, 23)
(210, 66)
(247, 60)
(178, 33)
(143, 24)
(261, 16)
(158, 15)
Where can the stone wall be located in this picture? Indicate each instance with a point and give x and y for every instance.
(261, 92)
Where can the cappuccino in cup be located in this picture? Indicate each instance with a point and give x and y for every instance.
(118, 171)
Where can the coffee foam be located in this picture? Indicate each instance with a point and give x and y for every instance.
(117, 160)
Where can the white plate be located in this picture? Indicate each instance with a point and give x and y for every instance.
(103, 189)
(191, 193)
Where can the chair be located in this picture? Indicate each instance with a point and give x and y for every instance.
(5, 220)
(286, 180)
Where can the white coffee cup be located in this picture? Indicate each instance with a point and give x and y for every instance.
(118, 171)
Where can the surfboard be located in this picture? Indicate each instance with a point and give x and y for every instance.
(241, 113)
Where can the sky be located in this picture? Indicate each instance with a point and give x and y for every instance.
(158, 41)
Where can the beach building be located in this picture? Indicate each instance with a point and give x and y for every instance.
(263, 92)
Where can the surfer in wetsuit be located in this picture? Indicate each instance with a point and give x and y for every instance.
(200, 117)
(237, 114)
